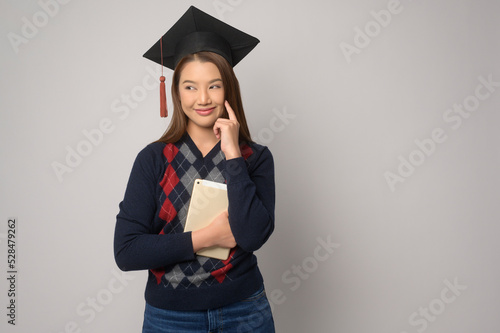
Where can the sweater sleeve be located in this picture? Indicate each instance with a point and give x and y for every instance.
(251, 195)
(136, 246)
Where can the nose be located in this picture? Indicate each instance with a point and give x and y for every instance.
(204, 97)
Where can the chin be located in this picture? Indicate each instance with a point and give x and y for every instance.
(203, 123)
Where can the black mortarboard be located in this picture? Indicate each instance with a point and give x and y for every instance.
(197, 31)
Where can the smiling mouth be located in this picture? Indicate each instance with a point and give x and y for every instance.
(205, 111)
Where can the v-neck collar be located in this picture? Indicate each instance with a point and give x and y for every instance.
(194, 148)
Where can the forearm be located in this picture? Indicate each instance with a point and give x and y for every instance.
(137, 251)
(201, 239)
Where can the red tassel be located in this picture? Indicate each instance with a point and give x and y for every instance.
(163, 98)
(163, 93)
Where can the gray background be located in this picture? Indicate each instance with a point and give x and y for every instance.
(336, 125)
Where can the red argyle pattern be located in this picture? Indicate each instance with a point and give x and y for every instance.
(184, 165)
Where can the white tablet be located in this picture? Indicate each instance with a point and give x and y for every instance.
(208, 200)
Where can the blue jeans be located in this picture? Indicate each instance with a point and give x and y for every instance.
(250, 315)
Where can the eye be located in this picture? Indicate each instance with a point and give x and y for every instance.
(216, 86)
(189, 88)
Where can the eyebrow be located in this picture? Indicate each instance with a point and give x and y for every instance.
(210, 82)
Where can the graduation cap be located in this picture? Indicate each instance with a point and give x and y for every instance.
(197, 31)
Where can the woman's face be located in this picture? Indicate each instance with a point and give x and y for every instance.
(201, 93)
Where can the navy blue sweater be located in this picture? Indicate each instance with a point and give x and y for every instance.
(149, 232)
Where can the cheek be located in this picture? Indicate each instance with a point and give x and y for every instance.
(186, 98)
(219, 96)
(182, 94)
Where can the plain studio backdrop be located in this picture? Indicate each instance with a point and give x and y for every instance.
(382, 117)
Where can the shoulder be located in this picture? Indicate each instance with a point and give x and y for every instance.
(151, 151)
(151, 158)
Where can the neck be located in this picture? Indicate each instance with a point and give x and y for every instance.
(202, 137)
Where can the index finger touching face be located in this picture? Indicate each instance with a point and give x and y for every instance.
(230, 112)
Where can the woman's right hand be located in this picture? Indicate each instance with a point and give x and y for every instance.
(217, 233)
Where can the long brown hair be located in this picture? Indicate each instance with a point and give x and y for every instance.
(178, 124)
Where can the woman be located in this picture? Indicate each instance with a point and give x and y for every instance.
(207, 138)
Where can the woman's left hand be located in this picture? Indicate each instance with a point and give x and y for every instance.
(228, 130)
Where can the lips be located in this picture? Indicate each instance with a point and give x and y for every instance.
(205, 111)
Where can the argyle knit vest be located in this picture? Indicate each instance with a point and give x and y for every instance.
(183, 169)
